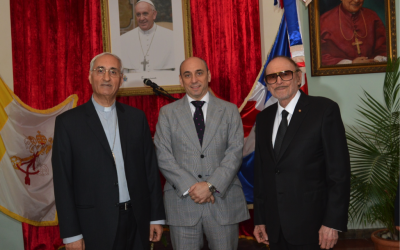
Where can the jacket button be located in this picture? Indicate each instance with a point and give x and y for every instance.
(116, 204)
(202, 156)
(277, 171)
(116, 184)
(200, 176)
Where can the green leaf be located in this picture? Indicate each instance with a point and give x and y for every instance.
(374, 154)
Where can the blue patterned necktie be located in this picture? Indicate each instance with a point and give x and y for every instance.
(198, 119)
(281, 132)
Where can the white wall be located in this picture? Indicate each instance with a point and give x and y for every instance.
(270, 19)
(10, 233)
(6, 70)
(10, 229)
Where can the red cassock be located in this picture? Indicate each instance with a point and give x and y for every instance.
(334, 46)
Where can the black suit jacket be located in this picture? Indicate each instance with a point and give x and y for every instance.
(308, 184)
(85, 176)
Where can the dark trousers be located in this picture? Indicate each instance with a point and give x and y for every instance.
(283, 244)
(126, 232)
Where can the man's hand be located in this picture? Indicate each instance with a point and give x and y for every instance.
(398, 228)
(260, 234)
(200, 192)
(328, 237)
(362, 59)
(155, 232)
(76, 245)
(211, 199)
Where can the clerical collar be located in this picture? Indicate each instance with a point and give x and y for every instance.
(291, 105)
(149, 31)
(205, 98)
(100, 108)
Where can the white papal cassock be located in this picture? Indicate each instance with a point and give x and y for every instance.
(159, 49)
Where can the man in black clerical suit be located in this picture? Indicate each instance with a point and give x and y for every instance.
(106, 179)
(302, 166)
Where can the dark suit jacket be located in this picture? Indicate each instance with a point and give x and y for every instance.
(308, 184)
(85, 176)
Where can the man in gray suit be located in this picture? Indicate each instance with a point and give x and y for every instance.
(199, 141)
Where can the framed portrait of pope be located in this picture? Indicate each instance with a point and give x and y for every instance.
(152, 38)
(351, 36)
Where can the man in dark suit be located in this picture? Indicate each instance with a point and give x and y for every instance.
(302, 166)
(106, 179)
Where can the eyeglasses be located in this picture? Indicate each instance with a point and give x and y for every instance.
(101, 71)
(285, 75)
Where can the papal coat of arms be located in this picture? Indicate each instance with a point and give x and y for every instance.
(38, 147)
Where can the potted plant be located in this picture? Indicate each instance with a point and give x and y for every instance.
(374, 154)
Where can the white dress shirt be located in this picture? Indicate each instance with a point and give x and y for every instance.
(278, 118)
(205, 98)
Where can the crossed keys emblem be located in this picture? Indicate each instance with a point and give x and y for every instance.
(31, 165)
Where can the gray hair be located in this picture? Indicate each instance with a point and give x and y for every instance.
(289, 59)
(103, 54)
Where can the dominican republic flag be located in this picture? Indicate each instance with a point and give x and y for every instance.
(288, 42)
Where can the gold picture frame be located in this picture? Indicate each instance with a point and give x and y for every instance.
(318, 69)
(108, 41)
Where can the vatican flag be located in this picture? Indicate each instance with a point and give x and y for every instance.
(26, 175)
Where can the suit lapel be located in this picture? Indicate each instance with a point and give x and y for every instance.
(123, 127)
(185, 119)
(94, 123)
(299, 114)
(270, 120)
(213, 119)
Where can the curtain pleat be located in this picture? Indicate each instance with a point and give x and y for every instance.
(53, 42)
(226, 34)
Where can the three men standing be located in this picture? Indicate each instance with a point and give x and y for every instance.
(106, 179)
(302, 166)
(199, 141)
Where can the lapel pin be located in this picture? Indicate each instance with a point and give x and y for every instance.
(300, 110)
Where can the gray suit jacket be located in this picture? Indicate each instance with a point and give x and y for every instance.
(183, 162)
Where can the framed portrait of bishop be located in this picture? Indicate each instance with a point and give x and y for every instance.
(351, 37)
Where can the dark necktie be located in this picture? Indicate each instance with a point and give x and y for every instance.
(281, 132)
(198, 119)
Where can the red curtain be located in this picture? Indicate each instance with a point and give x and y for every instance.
(54, 41)
(226, 33)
